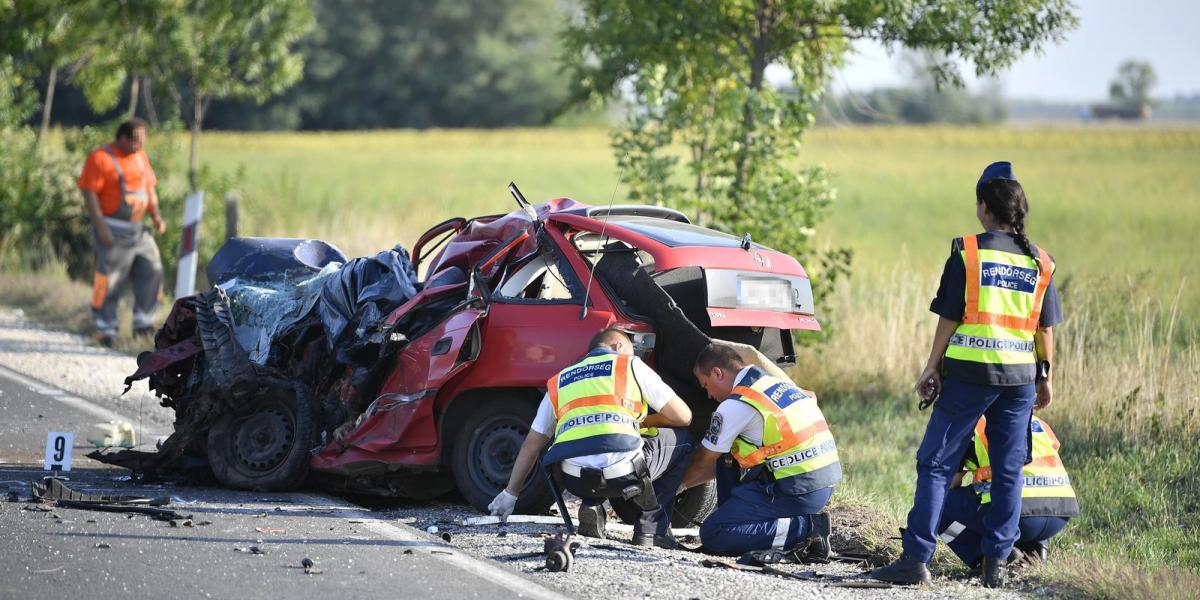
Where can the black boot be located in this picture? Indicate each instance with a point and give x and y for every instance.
(819, 528)
(592, 519)
(904, 571)
(667, 541)
(993, 573)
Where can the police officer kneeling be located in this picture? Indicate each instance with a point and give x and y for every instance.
(773, 497)
(1047, 499)
(593, 411)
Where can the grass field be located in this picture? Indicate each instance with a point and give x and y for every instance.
(1111, 203)
(1118, 207)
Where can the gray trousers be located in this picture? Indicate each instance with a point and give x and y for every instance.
(134, 256)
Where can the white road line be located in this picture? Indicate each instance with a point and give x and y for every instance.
(447, 553)
(50, 391)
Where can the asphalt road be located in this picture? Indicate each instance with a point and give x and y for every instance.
(66, 552)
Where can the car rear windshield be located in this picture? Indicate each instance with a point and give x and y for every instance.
(674, 233)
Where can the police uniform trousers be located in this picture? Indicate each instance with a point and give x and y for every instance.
(755, 515)
(133, 256)
(962, 526)
(667, 457)
(951, 426)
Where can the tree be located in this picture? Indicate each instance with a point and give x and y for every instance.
(207, 49)
(1131, 87)
(415, 63)
(80, 42)
(698, 70)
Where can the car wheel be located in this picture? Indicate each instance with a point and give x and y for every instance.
(265, 445)
(485, 448)
(694, 505)
(691, 507)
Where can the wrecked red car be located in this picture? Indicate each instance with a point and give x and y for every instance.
(437, 391)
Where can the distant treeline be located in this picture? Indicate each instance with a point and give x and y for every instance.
(372, 64)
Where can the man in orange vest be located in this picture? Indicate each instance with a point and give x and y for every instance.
(118, 189)
(1047, 498)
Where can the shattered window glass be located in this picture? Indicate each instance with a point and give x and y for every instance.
(263, 308)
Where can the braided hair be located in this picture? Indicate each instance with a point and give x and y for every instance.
(1005, 199)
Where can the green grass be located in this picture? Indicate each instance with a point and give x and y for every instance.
(1109, 203)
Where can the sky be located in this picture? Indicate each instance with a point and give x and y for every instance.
(1164, 32)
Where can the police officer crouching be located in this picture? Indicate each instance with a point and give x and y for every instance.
(595, 411)
(773, 497)
(1047, 499)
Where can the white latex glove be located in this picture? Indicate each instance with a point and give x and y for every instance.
(503, 505)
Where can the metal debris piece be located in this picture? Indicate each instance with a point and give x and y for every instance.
(158, 514)
(490, 520)
(270, 529)
(102, 545)
(53, 488)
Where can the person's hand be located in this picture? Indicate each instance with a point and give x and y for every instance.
(503, 505)
(1045, 394)
(160, 226)
(104, 235)
(930, 374)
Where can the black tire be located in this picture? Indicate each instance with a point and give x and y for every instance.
(265, 445)
(691, 507)
(694, 505)
(485, 447)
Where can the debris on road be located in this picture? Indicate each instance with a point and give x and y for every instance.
(102, 545)
(270, 529)
(53, 490)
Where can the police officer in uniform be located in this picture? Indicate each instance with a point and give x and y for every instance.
(991, 356)
(1047, 498)
(596, 412)
(774, 459)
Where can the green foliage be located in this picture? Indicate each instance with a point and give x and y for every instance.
(698, 69)
(413, 63)
(41, 215)
(1132, 84)
(228, 48)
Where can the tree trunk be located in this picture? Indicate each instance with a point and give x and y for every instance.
(148, 101)
(758, 68)
(194, 157)
(48, 105)
(133, 97)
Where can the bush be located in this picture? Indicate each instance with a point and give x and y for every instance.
(42, 220)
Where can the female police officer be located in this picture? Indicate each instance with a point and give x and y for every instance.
(992, 344)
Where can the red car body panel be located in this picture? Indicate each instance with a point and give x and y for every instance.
(522, 344)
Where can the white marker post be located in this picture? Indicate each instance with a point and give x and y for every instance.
(185, 276)
(58, 451)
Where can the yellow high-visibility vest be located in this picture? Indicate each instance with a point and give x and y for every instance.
(797, 446)
(1004, 294)
(1046, 488)
(597, 406)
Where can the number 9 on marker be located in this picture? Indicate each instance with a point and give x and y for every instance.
(58, 451)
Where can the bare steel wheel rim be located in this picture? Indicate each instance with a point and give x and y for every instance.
(263, 440)
(494, 450)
